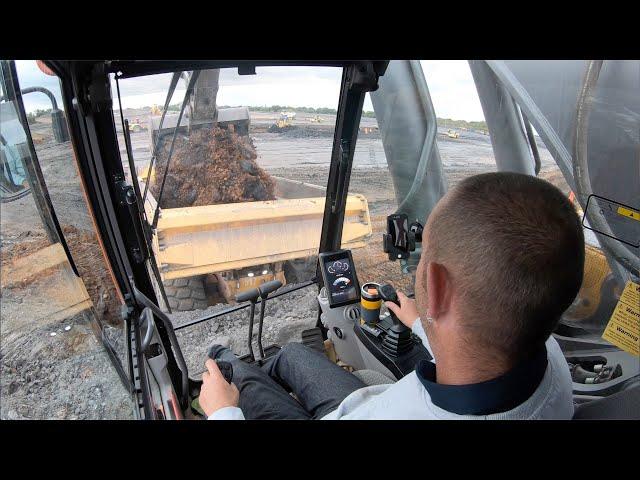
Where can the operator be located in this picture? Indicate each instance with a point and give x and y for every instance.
(502, 259)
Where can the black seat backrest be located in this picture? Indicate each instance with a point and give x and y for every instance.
(624, 405)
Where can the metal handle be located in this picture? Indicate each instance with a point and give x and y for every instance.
(251, 295)
(147, 315)
(269, 287)
(265, 290)
(182, 364)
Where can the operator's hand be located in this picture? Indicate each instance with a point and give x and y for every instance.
(216, 393)
(407, 312)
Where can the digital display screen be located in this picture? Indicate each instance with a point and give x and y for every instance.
(340, 278)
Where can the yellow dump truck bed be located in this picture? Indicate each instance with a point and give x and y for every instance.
(215, 238)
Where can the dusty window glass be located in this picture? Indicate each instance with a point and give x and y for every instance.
(243, 195)
(53, 366)
(372, 181)
(463, 147)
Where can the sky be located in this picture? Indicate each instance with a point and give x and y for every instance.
(450, 84)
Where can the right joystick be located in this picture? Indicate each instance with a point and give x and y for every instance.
(398, 338)
(388, 294)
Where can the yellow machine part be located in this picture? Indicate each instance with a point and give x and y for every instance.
(216, 238)
(596, 270)
(283, 123)
(144, 172)
(229, 288)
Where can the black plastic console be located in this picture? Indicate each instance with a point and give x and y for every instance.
(374, 339)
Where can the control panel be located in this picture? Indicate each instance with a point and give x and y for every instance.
(361, 336)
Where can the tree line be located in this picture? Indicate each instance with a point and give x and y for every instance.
(442, 122)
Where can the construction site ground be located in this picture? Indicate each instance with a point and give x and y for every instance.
(51, 364)
(69, 375)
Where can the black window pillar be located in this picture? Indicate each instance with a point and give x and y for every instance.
(357, 80)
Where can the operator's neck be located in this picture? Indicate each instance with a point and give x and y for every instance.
(457, 365)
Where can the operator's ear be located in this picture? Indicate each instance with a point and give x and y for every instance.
(439, 285)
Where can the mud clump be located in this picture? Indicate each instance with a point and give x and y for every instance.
(211, 166)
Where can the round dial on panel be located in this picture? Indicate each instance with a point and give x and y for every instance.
(341, 282)
(340, 267)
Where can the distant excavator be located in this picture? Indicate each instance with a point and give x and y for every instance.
(285, 120)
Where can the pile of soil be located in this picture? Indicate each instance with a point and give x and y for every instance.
(211, 166)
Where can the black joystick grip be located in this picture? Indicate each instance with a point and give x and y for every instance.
(397, 340)
(250, 295)
(226, 369)
(269, 287)
(388, 294)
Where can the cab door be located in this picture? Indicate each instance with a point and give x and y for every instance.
(57, 293)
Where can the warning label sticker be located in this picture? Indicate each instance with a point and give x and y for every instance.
(627, 212)
(623, 329)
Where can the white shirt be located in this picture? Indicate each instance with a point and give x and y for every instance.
(408, 399)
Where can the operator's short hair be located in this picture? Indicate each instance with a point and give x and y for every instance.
(514, 246)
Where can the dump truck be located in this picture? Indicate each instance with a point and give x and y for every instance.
(191, 244)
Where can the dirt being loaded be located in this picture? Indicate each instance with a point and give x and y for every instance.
(211, 166)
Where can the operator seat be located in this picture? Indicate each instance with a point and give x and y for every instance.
(624, 405)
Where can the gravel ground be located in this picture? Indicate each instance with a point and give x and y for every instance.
(284, 320)
(67, 375)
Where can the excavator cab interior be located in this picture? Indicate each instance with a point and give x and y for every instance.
(337, 241)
